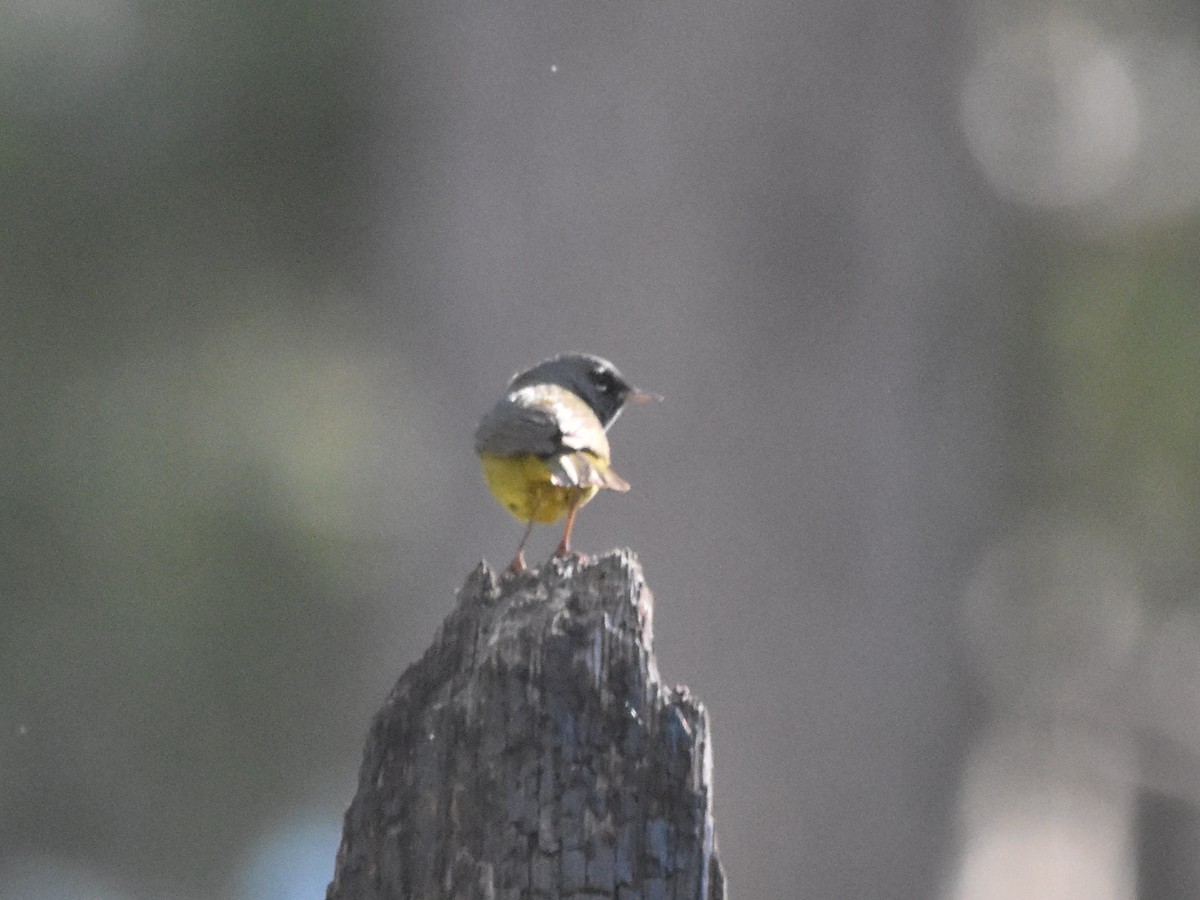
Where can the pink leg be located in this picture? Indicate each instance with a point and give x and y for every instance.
(564, 546)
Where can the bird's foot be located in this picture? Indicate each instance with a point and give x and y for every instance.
(518, 563)
(565, 552)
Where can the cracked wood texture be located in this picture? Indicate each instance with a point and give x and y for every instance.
(533, 752)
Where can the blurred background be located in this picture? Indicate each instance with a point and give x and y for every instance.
(921, 509)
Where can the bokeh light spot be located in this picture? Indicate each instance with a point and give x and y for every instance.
(1051, 115)
(294, 861)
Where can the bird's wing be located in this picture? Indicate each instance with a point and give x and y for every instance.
(581, 469)
(512, 429)
(549, 421)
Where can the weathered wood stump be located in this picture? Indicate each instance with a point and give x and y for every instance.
(533, 752)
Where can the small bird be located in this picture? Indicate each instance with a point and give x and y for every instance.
(543, 447)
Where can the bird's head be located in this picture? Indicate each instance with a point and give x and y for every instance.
(594, 379)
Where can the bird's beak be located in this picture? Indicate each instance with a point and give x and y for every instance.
(637, 398)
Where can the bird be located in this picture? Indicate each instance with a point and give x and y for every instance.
(544, 446)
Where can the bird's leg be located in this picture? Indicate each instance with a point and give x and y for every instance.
(564, 546)
(518, 563)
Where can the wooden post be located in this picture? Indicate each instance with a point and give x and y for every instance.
(533, 752)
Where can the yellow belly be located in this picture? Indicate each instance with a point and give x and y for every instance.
(523, 486)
